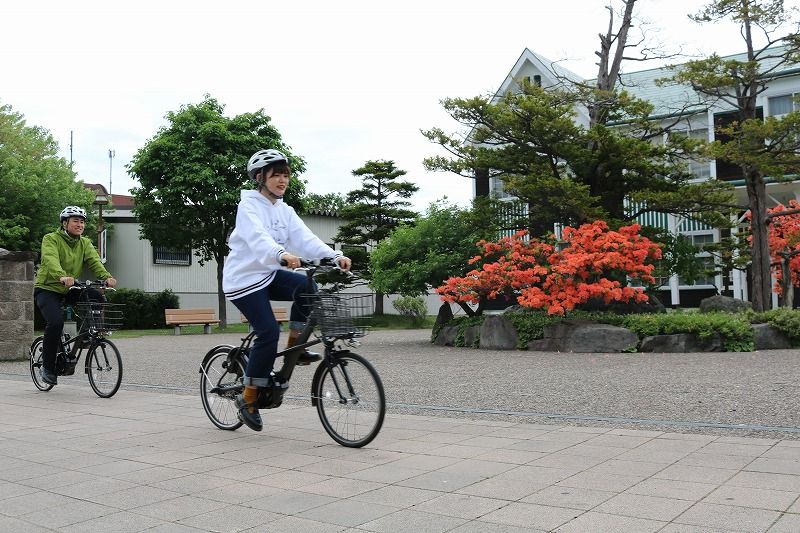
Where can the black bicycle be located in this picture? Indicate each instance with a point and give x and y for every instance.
(346, 389)
(103, 363)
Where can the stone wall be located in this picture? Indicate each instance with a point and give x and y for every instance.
(16, 304)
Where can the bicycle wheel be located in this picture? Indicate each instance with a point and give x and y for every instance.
(36, 364)
(350, 400)
(104, 367)
(220, 382)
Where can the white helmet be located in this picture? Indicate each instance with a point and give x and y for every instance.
(263, 158)
(73, 211)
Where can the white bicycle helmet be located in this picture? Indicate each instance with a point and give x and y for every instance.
(73, 211)
(263, 158)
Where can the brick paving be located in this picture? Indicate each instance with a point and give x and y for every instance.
(151, 461)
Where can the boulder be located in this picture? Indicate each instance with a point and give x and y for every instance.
(587, 337)
(652, 305)
(681, 343)
(444, 316)
(724, 304)
(498, 333)
(471, 335)
(447, 336)
(765, 337)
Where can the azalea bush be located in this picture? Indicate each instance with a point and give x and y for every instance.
(591, 262)
(784, 245)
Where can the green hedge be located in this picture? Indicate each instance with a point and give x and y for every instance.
(143, 310)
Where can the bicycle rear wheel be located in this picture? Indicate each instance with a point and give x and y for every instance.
(220, 382)
(104, 368)
(36, 359)
(350, 400)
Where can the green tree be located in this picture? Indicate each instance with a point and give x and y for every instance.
(377, 208)
(332, 201)
(35, 183)
(418, 257)
(736, 84)
(191, 173)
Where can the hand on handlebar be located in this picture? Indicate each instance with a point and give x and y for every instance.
(68, 281)
(111, 283)
(291, 261)
(344, 263)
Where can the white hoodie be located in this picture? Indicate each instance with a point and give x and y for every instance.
(264, 231)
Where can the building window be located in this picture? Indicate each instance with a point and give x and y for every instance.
(780, 105)
(170, 256)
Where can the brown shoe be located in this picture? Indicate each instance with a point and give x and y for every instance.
(306, 358)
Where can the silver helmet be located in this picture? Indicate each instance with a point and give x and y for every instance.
(263, 158)
(73, 211)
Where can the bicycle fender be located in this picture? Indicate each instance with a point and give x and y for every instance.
(37, 339)
(318, 375)
(212, 351)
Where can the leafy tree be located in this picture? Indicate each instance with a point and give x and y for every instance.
(332, 201)
(784, 247)
(418, 257)
(537, 274)
(736, 84)
(377, 208)
(191, 173)
(35, 184)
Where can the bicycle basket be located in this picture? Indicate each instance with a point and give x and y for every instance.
(342, 314)
(100, 316)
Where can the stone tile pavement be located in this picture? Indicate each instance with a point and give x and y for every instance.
(147, 461)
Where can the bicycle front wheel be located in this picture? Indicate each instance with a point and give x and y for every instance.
(220, 381)
(350, 400)
(104, 368)
(36, 361)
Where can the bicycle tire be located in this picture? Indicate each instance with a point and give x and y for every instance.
(350, 399)
(35, 361)
(216, 372)
(104, 368)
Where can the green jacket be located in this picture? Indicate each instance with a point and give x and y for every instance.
(63, 256)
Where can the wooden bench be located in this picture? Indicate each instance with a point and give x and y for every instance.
(187, 317)
(281, 315)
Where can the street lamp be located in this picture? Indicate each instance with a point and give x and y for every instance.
(101, 199)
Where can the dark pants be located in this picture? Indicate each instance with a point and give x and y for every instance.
(256, 307)
(50, 305)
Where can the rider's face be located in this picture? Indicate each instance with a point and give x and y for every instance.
(75, 226)
(277, 181)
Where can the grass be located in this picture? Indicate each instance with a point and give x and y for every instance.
(375, 322)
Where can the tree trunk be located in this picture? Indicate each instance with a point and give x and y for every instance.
(221, 302)
(757, 198)
(786, 284)
(378, 303)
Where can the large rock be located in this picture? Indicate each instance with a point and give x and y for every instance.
(498, 333)
(724, 304)
(472, 336)
(587, 337)
(681, 343)
(444, 316)
(447, 336)
(765, 337)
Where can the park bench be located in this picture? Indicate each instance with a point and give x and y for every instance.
(189, 316)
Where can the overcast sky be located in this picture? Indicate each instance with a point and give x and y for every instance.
(344, 82)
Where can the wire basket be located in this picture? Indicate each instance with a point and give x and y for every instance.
(100, 316)
(342, 314)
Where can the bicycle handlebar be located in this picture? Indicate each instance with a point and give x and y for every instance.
(324, 262)
(87, 284)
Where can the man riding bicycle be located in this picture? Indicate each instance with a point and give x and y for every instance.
(64, 254)
(266, 228)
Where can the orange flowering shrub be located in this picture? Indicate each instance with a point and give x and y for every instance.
(784, 244)
(588, 265)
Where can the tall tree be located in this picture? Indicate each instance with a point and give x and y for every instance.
(35, 183)
(736, 84)
(332, 201)
(377, 208)
(191, 173)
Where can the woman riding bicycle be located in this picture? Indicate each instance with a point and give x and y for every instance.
(265, 228)
(64, 254)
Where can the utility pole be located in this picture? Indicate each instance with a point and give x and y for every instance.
(111, 154)
(70, 149)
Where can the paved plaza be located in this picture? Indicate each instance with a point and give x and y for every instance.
(151, 461)
(474, 441)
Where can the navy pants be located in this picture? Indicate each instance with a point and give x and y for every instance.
(49, 304)
(256, 307)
